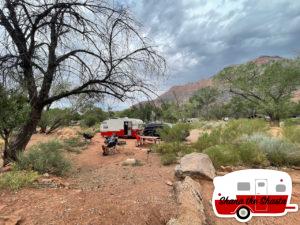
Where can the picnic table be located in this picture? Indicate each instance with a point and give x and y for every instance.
(147, 139)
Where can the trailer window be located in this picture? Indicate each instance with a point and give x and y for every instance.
(105, 127)
(280, 188)
(243, 186)
(261, 184)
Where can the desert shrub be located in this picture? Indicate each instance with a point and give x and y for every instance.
(229, 133)
(15, 180)
(292, 122)
(168, 159)
(208, 140)
(170, 150)
(74, 144)
(178, 132)
(198, 124)
(135, 164)
(89, 120)
(138, 163)
(172, 147)
(292, 133)
(91, 130)
(209, 125)
(251, 155)
(278, 151)
(223, 155)
(45, 158)
(237, 128)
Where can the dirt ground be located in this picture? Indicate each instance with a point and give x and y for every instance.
(103, 191)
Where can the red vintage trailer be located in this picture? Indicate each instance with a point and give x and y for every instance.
(253, 192)
(122, 127)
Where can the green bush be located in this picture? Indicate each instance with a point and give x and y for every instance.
(45, 158)
(178, 132)
(237, 154)
(292, 122)
(236, 128)
(93, 116)
(251, 155)
(135, 164)
(208, 140)
(292, 133)
(172, 147)
(15, 180)
(168, 159)
(75, 144)
(229, 133)
(89, 120)
(223, 155)
(210, 125)
(170, 150)
(278, 151)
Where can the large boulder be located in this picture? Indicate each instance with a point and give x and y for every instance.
(189, 198)
(196, 165)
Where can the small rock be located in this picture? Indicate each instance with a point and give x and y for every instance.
(226, 168)
(168, 182)
(129, 162)
(46, 181)
(46, 175)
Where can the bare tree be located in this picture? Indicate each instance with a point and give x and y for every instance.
(98, 50)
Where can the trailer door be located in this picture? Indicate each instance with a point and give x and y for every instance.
(127, 128)
(129, 132)
(261, 190)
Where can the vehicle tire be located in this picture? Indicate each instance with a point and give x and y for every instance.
(243, 213)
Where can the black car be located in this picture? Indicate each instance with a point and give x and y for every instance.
(152, 129)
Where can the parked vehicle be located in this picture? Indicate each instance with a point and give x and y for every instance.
(151, 129)
(122, 127)
(254, 192)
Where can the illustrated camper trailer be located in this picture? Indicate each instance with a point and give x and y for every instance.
(254, 192)
(122, 127)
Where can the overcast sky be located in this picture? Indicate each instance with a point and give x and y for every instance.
(200, 37)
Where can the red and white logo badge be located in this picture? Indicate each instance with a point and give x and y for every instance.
(254, 192)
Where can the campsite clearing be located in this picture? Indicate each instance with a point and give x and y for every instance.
(103, 191)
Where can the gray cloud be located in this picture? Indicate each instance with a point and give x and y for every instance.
(200, 37)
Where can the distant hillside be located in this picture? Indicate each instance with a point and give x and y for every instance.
(182, 93)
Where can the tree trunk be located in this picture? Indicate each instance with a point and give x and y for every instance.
(43, 129)
(274, 121)
(5, 152)
(23, 136)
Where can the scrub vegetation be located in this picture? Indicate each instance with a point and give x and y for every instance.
(16, 179)
(45, 158)
(238, 142)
